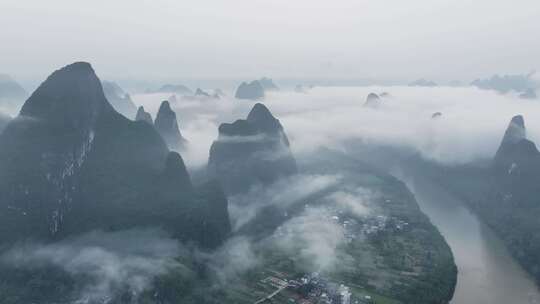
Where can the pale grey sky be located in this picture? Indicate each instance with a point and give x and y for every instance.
(381, 39)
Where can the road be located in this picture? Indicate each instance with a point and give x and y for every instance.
(270, 296)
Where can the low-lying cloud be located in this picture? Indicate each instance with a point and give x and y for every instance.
(356, 202)
(470, 128)
(232, 259)
(111, 261)
(286, 191)
(314, 237)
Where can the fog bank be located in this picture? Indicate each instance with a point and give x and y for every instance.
(470, 127)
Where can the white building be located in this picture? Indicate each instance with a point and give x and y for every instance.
(345, 294)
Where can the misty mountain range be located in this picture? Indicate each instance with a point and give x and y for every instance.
(269, 152)
(523, 84)
(252, 90)
(70, 163)
(81, 165)
(73, 168)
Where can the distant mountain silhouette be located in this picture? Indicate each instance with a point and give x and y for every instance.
(268, 84)
(172, 88)
(200, 92)
(201, 95)
(69, 163)
(12, 95)
(250, 152)
(506, 83)
(422, 83)
(167, 126)
(142, 115)
(372, 100)
(120, 100)
(252, 91)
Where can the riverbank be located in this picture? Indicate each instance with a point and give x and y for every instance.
(487, 273)
(392, 254)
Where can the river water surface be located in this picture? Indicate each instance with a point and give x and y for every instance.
(487, 274)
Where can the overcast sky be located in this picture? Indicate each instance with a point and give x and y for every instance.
(351, 39)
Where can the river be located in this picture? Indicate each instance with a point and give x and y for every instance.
(487, 274)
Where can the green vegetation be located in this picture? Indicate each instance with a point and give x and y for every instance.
(404, 260)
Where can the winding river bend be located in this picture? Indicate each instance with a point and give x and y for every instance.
(487, 274)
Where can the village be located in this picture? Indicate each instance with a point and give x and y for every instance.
(315, 288)
(309, 289)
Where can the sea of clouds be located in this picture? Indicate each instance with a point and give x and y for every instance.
(470, 128)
